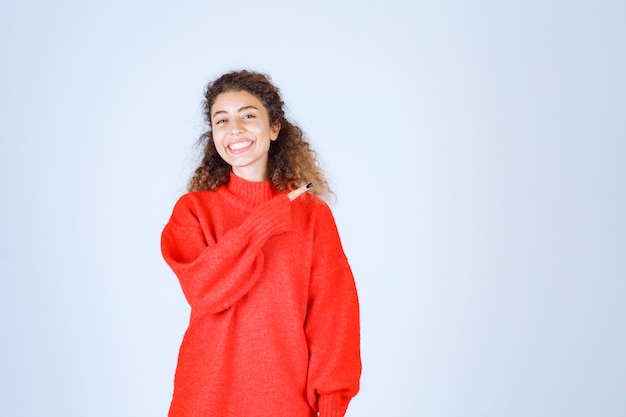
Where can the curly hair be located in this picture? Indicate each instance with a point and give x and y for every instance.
(291, 160)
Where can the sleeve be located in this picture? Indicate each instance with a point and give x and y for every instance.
(215, 274)
(332, 326)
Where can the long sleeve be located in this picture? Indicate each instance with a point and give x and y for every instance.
(215, 273)
(332, 326)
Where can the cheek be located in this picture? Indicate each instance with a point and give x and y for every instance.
(218, 138)
(217, 142)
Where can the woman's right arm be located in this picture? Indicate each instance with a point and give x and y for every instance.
(215, 274)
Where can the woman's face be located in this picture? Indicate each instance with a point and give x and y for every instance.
(242, 133)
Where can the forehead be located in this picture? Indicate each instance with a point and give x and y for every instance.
(233, 101)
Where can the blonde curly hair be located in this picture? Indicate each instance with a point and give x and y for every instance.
(291, 160)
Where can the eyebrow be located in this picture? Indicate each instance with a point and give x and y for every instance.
(238, 111)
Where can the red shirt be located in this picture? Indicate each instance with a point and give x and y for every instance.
(274, 325)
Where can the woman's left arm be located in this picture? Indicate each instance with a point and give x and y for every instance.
(332, 326)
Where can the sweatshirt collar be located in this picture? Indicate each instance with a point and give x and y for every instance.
(251, 193)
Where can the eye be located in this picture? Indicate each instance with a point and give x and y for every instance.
(219, 121)
(248, 116)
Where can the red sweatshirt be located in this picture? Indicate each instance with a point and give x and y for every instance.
(274, 325)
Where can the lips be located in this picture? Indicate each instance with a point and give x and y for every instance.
(240, 145)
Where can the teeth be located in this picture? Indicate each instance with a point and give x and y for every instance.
(239, 145)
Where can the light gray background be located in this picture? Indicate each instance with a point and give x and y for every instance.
(476, 148)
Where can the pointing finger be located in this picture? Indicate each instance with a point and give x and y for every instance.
(299, 191)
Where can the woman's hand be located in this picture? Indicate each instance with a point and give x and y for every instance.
(299, 191)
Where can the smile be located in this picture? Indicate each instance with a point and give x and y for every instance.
(239, 145)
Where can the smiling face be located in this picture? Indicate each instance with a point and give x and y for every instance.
(242, 133)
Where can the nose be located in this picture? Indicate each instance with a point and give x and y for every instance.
(237, 126)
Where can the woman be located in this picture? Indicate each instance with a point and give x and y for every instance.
(274, 325)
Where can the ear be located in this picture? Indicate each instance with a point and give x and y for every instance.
(275, 129)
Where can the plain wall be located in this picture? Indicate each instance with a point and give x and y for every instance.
(477, 150)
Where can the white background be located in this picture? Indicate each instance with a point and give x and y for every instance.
(477, 150)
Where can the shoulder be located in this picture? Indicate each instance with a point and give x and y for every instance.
(189, 206)
(194, 199)
(313, 208)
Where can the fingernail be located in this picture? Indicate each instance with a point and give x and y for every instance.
(309, 185)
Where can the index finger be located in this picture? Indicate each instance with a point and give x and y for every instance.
(299, 191)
